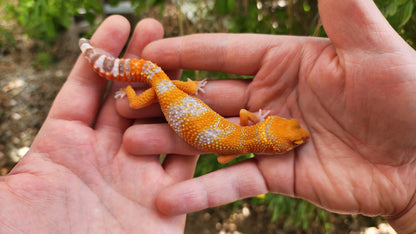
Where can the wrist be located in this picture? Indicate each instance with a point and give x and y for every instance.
(405, 222)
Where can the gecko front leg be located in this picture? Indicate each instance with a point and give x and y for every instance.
(245, 117)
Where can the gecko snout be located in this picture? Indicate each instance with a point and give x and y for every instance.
(286, 134)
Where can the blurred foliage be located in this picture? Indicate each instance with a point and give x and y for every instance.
(301, 213)
(397, 12)
(45, 19)
(400, 15)
(43, 60)
(271, 17)
(208, 163)
(6, 39)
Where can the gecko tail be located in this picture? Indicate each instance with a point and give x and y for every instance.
(117, 69)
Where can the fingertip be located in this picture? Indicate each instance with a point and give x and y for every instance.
(145, 139)
(114, 30)
(174, 200)
(355, 24)
(180, 167)
(151, 27)
(142, 140)
(167, 204)
(146, 31)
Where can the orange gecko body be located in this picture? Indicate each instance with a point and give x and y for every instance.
(190, 118)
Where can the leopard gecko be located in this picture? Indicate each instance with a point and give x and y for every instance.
(193, 120)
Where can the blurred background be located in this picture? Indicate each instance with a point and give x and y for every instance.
(39, 45)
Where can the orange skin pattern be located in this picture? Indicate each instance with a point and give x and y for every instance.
(189, 117)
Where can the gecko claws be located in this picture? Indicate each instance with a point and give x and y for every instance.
(120, 94)
(201, 85)
(262, 115)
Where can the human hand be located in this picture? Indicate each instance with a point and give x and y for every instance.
(77, 178)
(354, 92)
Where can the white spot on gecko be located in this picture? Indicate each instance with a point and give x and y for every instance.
(99, 63)
(164, 86)
(149, 70)
(115, 69)
(185, 108)
(85, 46)
(214, 132)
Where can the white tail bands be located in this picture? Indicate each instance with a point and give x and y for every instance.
(109, 67)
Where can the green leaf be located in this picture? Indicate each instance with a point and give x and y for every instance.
(402, 2)
(306, 6)
(406, 14)
(230, 5)
(221, 7)
(401, 16)
(391, 9)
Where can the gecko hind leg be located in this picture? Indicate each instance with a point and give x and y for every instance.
(149, 96)
(137, 101)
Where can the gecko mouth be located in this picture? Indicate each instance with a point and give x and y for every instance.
(304, 134)
(298, 142)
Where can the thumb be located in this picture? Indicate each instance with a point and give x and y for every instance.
(357, 24)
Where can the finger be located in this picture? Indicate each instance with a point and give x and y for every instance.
(217, 188)
(157, 138)
(180, 167)
(144, 139)
(232, 53)
(279, 172)
(146, 31)
(227, 97)
(80, 96)
(356, 24)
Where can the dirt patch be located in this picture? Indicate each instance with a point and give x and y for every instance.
(26, 95)
(253, 219)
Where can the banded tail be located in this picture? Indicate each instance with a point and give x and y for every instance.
(118, 69)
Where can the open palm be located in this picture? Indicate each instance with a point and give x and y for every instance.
(354, 92)
(78, 179)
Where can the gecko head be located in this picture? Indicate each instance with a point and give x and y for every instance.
(283, 134)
